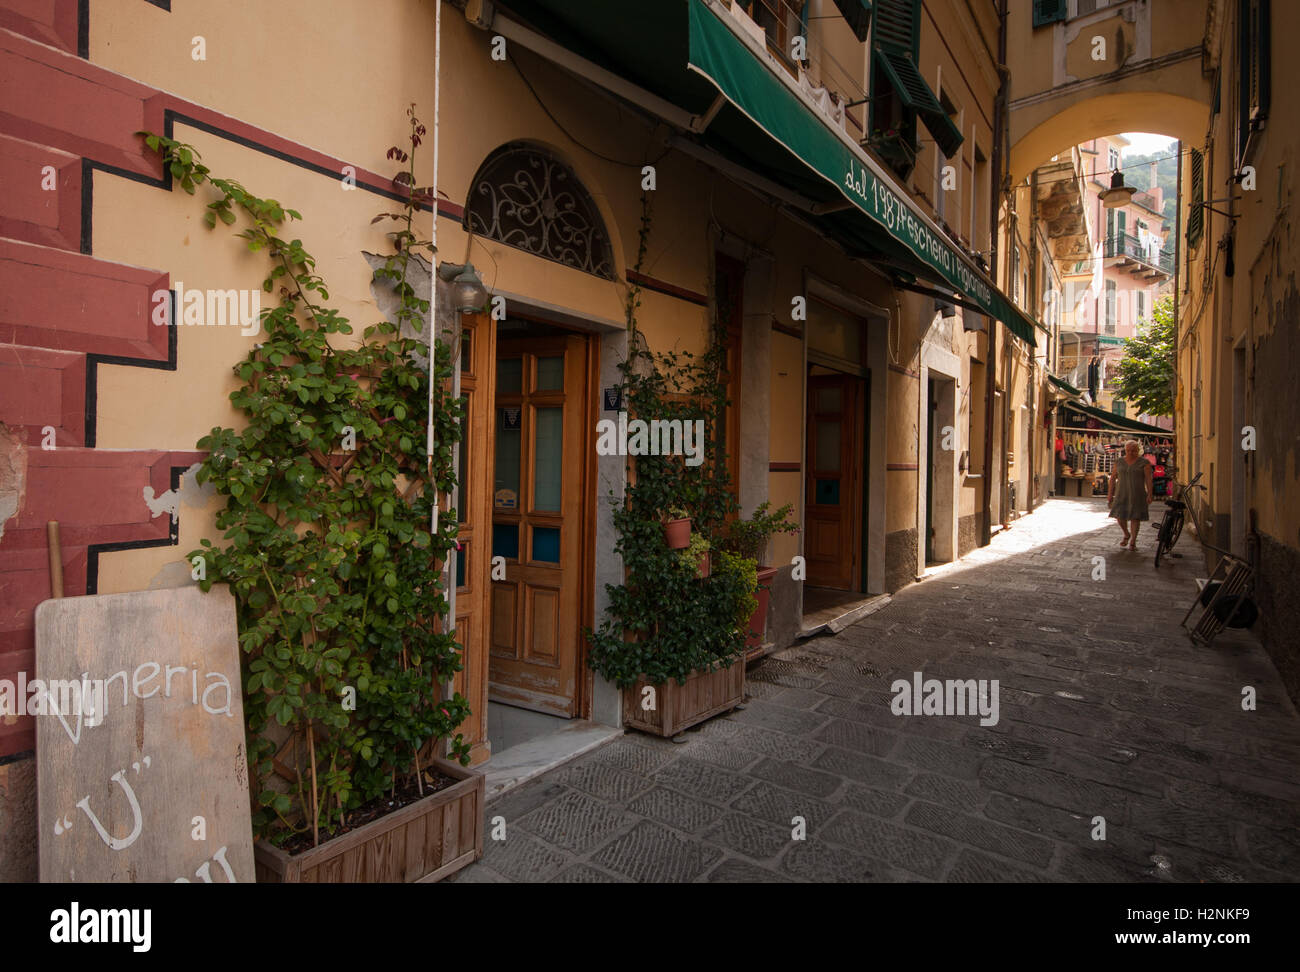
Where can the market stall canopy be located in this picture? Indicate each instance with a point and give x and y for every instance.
(1064, 386)
(683, 54)
(1111, 421)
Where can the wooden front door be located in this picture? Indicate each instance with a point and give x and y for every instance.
(833, 494)
(537, 522)
(474, 511)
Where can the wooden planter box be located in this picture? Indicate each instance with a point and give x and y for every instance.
(423, 841)
(704, 695)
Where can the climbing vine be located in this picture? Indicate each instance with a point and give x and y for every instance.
(664, 621)
(330, 496)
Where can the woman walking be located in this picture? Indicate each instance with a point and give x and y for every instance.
(1130, 492)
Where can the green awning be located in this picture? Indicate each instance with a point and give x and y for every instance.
(884, 217)
(1118, 422)
(1064, 385)
(858, 14)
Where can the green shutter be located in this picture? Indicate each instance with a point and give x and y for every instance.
(1050, 11)
(858, 14)
(1195, 214)
(917, 97)
(898, 26)
(896, 40)
(1253, 53)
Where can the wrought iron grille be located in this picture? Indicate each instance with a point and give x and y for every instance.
(525, 198)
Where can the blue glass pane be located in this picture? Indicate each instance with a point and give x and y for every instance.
(548, 459)
(462, 555)
(546, 544)
(827, 492)
(510, 375)
(505, 540)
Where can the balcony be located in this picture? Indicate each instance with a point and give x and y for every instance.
(1141, 261)
(1062, 206)
(1147, 200)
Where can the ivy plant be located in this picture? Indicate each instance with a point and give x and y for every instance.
(663, 622)
(330, 546)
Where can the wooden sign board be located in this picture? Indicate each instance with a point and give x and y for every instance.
(145, 777)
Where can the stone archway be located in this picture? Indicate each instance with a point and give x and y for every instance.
(1159, 113)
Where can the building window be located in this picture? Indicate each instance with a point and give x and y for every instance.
(899, 94)
(781, 20)
(1050, 11)
(1254, 61)
(1111, 308)
(525, 198)
(1113, 159)
(1141, 305)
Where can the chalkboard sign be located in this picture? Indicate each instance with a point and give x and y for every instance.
(140, 764)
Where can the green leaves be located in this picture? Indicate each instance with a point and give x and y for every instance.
(1146, 372)
(664, 621)
(328, 552)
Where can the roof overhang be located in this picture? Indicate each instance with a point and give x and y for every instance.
(686, 53)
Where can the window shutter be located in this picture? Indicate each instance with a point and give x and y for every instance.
(1050, 11)
(898, 26)
(1253, 32)
(858, 15)
(1195, 214)
(897, 39)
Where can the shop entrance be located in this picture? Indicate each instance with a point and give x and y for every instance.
(541, 403)
(833, 487)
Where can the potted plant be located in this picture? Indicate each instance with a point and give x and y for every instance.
(356, 770)
(671, 639)
(749, 538)
(668, 706)
(677, 528)
(696, 555)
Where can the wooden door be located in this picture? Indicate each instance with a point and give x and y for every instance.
(474, 512)
(537, 523)
(832, 496)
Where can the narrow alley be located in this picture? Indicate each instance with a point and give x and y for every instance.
(1107, 711)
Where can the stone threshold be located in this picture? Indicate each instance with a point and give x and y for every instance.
(841, 616)
(517, 765)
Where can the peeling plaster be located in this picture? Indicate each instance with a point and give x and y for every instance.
(419, 274)
(13, 475)
(1279, 405)
(190, 493)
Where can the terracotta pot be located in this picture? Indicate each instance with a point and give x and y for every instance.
(758, 620)
(677, 533)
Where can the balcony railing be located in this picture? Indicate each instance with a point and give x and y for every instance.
(1129, 246)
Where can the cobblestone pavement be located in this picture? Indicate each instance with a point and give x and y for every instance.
(1106, 710)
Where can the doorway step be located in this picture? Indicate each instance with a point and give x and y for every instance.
(536, 746)
(830, 610)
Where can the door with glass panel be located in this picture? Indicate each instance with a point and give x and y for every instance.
(540, 449)
(832, 497)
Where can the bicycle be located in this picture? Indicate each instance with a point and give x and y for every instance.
(1176, 509)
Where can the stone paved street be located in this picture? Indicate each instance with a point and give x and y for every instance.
(1106, 709)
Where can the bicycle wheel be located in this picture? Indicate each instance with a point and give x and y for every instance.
(1175, 529)
(1162, 540)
